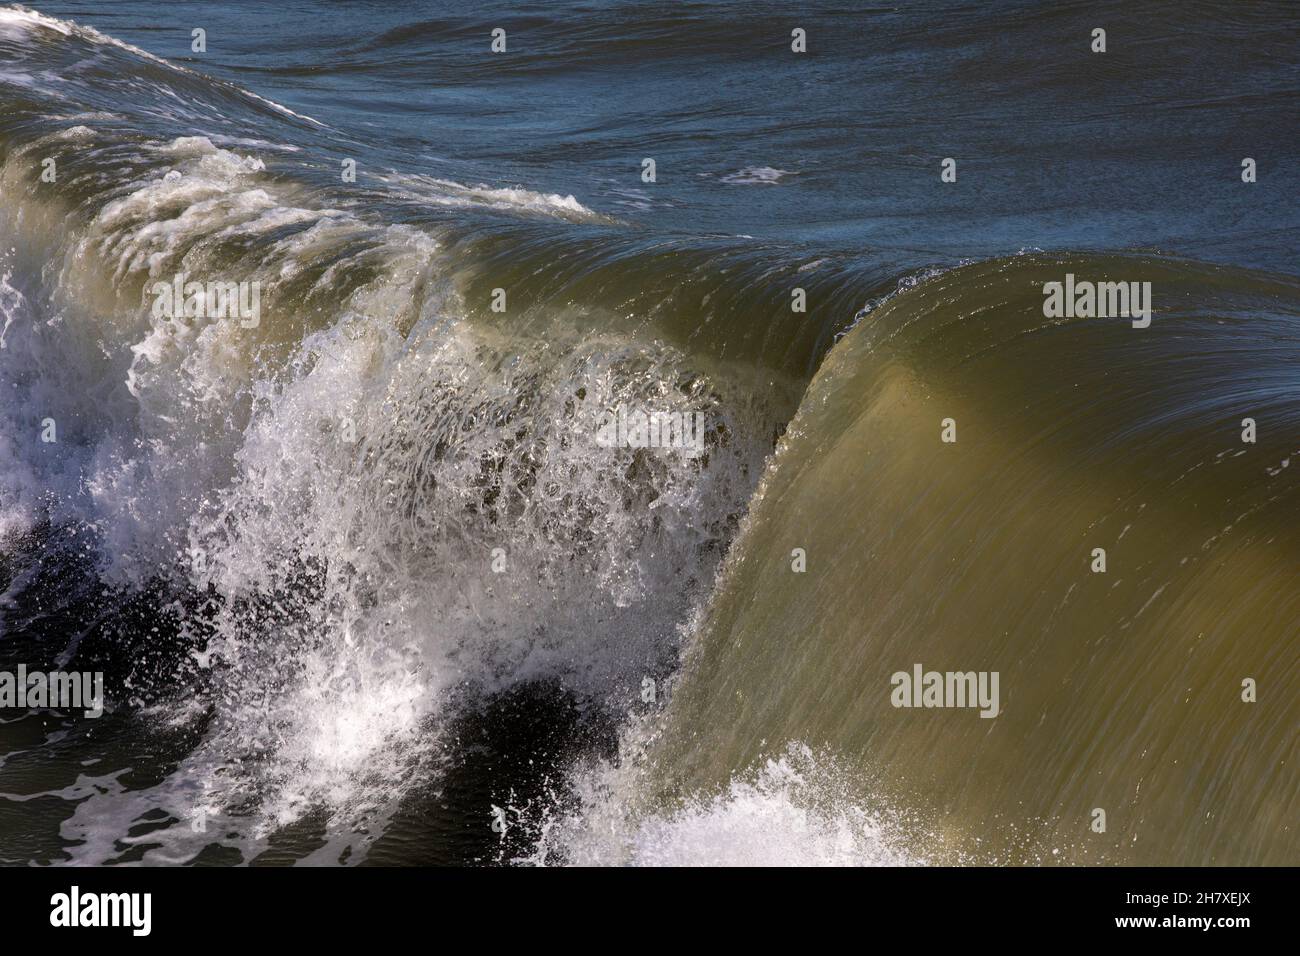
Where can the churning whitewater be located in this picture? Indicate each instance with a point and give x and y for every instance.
(316, 508)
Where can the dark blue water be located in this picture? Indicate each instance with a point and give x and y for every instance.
(1056, 146)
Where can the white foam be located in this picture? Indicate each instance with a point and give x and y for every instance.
(446, 192)
(796, 809)
(756, 176)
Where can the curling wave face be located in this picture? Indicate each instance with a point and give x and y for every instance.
(1122, 675)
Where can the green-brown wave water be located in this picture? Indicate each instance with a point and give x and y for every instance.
(1120, 690)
